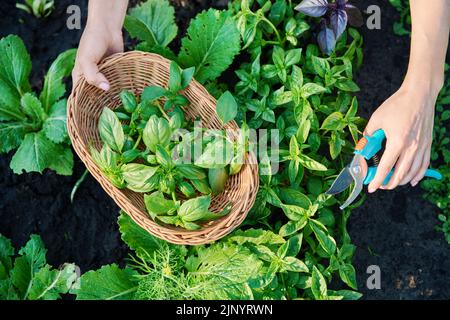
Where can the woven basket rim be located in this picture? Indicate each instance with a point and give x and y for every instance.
(207, 233)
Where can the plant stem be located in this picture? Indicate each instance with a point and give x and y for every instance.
(137, 141)
(271, 42)
(77, 185)
(273, 27)
(163, 112)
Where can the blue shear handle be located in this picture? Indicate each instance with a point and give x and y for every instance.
(430, 173)
(373, 145)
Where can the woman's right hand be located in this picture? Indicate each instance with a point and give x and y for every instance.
(102, 37)
(97, 42)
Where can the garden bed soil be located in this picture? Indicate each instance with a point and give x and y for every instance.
(392, 229)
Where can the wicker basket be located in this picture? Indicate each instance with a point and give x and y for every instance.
(134, 71)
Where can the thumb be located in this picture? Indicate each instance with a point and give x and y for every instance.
(94, 77)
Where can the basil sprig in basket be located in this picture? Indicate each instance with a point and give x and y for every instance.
(137, 161)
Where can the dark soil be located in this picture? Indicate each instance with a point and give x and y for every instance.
(394, 230)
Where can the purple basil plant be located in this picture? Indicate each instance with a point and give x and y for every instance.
(335, 17)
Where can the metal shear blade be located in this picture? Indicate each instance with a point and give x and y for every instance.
(353, 173)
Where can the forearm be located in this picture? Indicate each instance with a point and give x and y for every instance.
(108, 14)
(429, 41)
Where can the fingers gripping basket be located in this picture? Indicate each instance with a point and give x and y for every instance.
(134, 71)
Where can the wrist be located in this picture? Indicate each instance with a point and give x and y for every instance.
(425, 82)
(100, 25)
(107, 15)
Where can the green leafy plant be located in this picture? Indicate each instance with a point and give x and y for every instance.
(437, 191)
(34, 125)
(307, 98)
(27, 276)
(210, 45)
(177, 191)
(244, 265)
(403, 26)
(38, 8)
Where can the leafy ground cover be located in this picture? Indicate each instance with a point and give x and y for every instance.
(35, 126)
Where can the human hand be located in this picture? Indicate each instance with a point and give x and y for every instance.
(97, 42)
(407, 119)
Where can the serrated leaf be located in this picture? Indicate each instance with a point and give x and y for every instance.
(35, 154)
(15, 64)
(11, 135)
(62, 160)
(32, 107)
(255, 236)
(153, 22)
(137, 238)
(211, 43)
(32, 258)
(107, 283)
(49, 284)
(54, 87)
(224, 271)
(55, 126)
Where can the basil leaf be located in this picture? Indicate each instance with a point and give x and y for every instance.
(163, 157)
(310, 89)
(194, 209)
(110, 130)
(137, 176)
(189, 171)
(156, 204)
(226, 107)
(152, 93)
(157, 131)
(186, 189)
(186, 77)
(311, 164)
(174, 77)
(318, 284)
(217, 154)
(326, 241)
(294, 265)
(128, 100)
(201, 185)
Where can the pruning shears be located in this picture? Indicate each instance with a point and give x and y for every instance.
(360, 173)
